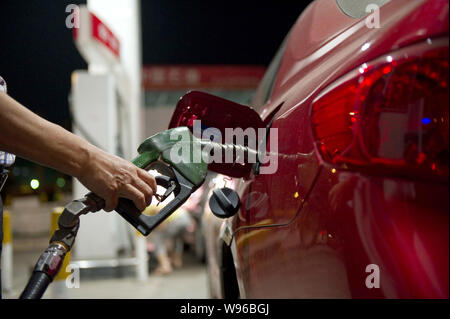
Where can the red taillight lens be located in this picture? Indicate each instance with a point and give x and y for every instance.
(390, 113)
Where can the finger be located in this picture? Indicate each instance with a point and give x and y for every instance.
(111, 203)
(138, 198)
(149, 179)
(144, 189)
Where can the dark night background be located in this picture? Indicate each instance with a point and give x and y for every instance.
(37, 53)
(213, 32)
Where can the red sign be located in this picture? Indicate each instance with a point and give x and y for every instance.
(157, 77)
(103, 34)
(95, 40)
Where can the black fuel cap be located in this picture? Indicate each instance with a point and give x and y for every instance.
(224, 202)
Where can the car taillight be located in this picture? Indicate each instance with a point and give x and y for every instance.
(392, 113)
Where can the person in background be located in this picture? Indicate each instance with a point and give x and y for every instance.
(27, 135)
(170, 234)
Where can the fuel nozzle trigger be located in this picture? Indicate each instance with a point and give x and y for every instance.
(170, 186)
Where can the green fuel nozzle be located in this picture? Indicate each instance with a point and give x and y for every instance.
(175, 148)
(181, 175)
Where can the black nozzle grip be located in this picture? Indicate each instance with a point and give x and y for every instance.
(144, 223)
(133, 215)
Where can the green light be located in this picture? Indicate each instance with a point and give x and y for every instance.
(34, 184)
(61, 182)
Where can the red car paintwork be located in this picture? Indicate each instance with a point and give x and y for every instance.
(309, 230)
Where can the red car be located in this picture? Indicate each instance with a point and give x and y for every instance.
(358, 205)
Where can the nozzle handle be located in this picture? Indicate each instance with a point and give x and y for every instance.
(133, 215)
(145, 223)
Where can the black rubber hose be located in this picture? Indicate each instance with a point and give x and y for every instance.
(36, 286)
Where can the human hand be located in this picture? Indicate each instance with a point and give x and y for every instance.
(111, 177)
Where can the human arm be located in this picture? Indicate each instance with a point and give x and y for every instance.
(29, 136)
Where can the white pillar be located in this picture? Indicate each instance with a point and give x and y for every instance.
(142, 258)
(123, 17)
(7, 267)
